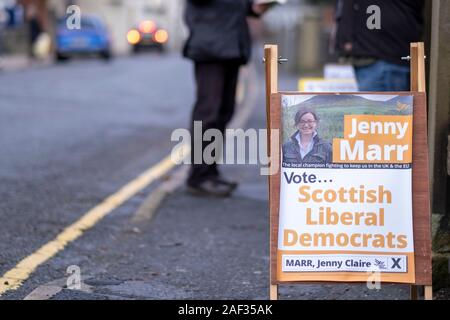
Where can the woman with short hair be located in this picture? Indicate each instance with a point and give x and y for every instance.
(305, 145)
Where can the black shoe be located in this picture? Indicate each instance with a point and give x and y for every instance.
(220, 180)
(210, 188)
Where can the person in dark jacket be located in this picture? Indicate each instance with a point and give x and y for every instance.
(374, 35)
(305, 145)
(218, 43)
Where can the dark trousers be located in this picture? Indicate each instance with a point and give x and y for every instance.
(214, 107)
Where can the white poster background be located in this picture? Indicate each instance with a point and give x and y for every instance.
(398, 214)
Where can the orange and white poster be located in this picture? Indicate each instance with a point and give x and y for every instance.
(346, 193)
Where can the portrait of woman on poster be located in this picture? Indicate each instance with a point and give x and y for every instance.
(305, 145)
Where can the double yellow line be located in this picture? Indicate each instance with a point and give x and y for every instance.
(15, 277)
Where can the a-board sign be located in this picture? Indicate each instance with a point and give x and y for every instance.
(341, 215)
(414, 265)
(346, 188)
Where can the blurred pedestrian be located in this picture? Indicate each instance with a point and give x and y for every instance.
(374, 35)
(219, 43)
(39, 39)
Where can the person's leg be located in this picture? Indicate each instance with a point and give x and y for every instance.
(34, 32)
(397, 77)
(371, 78)
(226, 111)
(227, 107)
(383, 76)
(210, 83)
(229, 95)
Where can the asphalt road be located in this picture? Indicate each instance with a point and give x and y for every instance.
(73, 134)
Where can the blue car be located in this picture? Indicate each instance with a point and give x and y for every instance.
(92, 38)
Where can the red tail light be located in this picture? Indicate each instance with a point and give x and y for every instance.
(161, 36)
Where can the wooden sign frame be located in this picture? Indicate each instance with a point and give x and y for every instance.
(420, 171)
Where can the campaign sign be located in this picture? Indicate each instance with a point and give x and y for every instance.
(346, 188)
